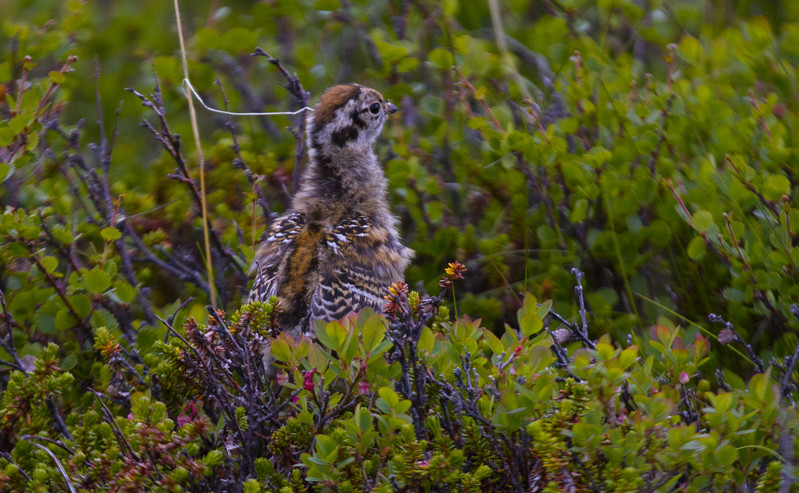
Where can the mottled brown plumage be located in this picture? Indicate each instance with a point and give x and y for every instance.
(337, 248)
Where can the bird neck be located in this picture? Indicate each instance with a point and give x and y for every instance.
(347, 179)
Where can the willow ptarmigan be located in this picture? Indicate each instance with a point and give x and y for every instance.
(337, 248)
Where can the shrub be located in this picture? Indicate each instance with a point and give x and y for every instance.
(414, 402)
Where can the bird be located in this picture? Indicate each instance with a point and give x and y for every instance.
(336, 249)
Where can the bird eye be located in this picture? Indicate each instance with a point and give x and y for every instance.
(374, 108)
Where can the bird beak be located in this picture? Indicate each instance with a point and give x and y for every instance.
(391, 108)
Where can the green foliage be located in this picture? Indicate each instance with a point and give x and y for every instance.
(651, 146)
(496, 413)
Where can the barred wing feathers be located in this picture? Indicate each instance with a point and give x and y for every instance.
(346, 290)
(271, 254)
(362, 260)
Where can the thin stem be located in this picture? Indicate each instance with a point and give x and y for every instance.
(753, 357)
(195, 130)
(482, 101)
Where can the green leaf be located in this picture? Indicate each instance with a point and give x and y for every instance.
(628, 356)
(579, 211)
(697, 248)
(213, 458)
(110, 233)
(690, 48)
(529, 322)
(441, 58)
(57, 77)
(388, 395)
(6, 138)
(18, 124)
(407, 64)
(776, 187)
(124, 291)
(543, 309)
(726, 455)
(96, 280)
(318, 357)
(331, 5)
(493, 342)
(758, 385)
(82, 304)
(62, 235)
(540, 356)
(374, 330)
(722, 402)
(337, 334)
(702, 221)
(69, 362)
(50, 264)
(327, 448)
(320, 328)
(64, 319)
(426, 340)
(5, 170)
(735, 295)
(146, 338)
(363, 419)
(280, 349)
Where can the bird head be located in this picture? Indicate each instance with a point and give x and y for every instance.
(349, 115)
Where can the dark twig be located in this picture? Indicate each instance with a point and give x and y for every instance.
(771, 205)
(294, 86)
(10, 459)
(86, 334)
(170, 263)
(58, 443)
(345, 15)
(171, 142)
(241, 164)
(579, 332)
(112, 213)
(737, 338)
(120, 313)
(99, 193)
(579, 289)
(58, 462)
(482, 101)
(109, 417)
(170, 322)
(60, 426)
(7, 342)
(786, 379)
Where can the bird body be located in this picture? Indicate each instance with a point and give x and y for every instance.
(337, 247)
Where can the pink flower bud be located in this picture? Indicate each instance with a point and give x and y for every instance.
(363, 387)
(684, 378)
(307, 383)
(187, 414)
(282, 378)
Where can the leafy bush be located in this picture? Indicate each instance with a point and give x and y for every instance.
(651, 148)
(415, 402)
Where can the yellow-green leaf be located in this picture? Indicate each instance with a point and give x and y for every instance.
(280, 349)
(96, 280)
(57, 77)
(702, 221)
(110, 233)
